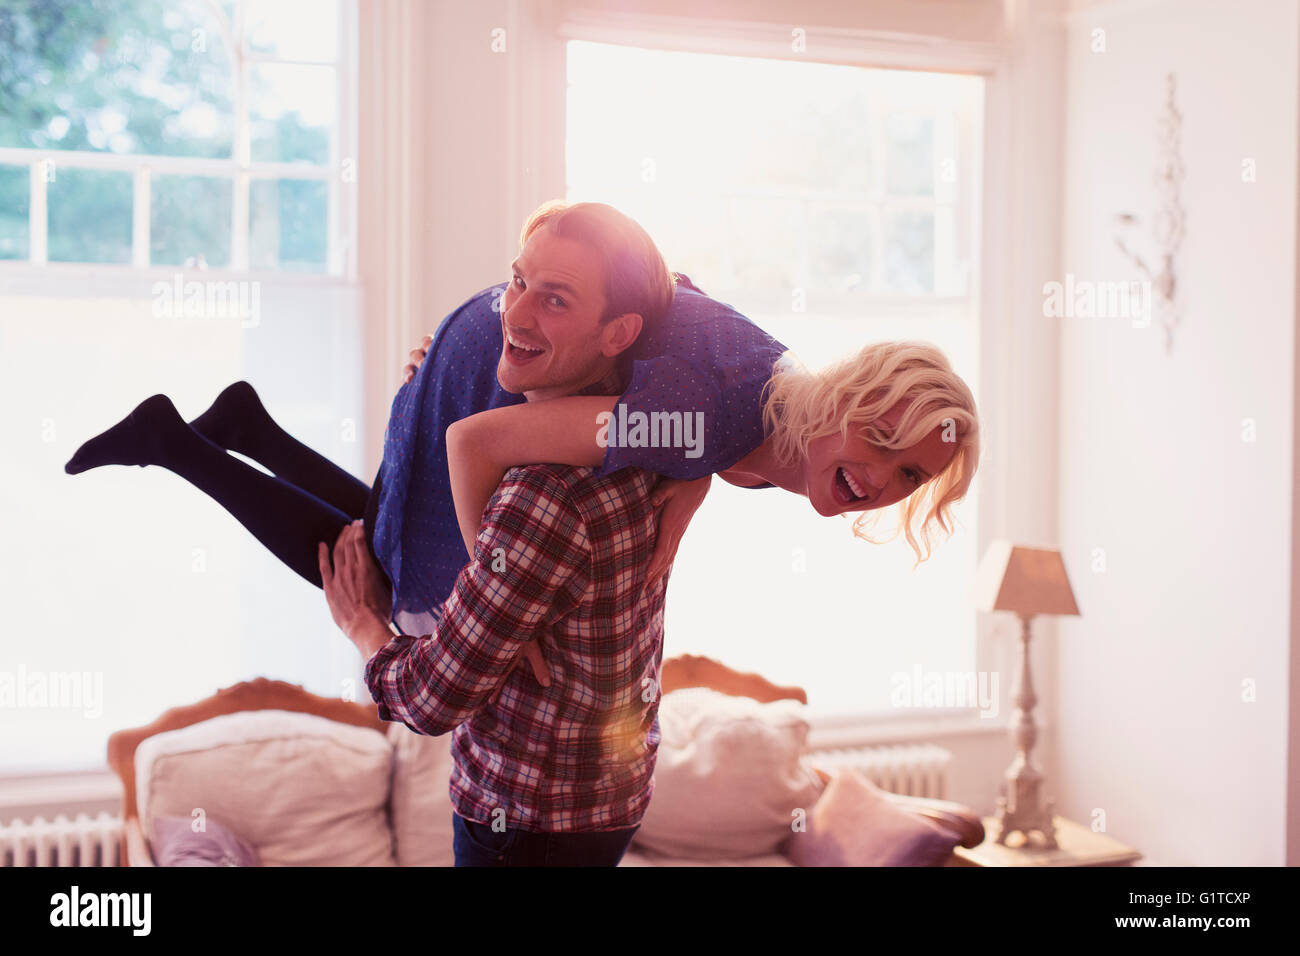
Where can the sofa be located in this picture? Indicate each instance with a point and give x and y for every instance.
(266, 773)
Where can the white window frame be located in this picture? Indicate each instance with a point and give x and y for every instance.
(340, 264)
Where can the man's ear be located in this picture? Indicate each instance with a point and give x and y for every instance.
(618, 334)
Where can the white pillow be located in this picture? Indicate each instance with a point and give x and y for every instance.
(728, 777)
(303, 790)
(421, 798)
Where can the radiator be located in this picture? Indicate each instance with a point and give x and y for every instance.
(913, 770)
(84, 841)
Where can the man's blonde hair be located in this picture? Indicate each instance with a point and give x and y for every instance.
(636, 277)
(850, 396)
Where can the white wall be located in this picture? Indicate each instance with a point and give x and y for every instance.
(1195, 523)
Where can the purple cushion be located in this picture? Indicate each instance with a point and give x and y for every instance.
(175, 843)
(855, 824)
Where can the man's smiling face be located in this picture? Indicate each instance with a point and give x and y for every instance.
(553, 340)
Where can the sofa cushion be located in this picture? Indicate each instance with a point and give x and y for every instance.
(177, 842)
(855, 824)
(729, 780)
(421, 797)
(302, 790)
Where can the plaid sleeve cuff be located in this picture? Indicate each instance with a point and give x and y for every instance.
(376, 667)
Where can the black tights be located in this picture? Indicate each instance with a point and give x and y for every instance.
(310, 499)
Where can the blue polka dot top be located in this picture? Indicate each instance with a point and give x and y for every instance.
(704, 361)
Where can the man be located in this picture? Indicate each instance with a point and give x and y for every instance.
(417, 539)
(558, 774)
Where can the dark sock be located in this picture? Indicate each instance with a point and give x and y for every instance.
(132, 441)
(220, 423)
(238, 420)
(288, 520)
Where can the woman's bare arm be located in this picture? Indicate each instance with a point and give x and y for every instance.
(691, 670)
(484, 446)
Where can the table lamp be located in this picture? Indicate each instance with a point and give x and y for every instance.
(1027, 581)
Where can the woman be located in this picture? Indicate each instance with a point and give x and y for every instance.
(858, 437)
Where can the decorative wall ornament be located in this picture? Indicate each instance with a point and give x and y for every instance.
(1169, 221)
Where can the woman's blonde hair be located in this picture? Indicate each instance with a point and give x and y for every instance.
(800, 406)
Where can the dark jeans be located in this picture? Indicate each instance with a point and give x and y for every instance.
(477, 844)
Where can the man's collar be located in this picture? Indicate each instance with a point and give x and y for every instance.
(612, 384)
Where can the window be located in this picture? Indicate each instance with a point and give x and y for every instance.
(196, 134)
(142, 142)
(834, 205)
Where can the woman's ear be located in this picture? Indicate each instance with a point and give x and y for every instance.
(618, 334)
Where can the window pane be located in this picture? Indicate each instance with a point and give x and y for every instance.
(294, 29)
(764, 242)
(806, 162)
(189, 221)
(909, 251)
(694, 221)
(840, 254)
(288, 220)
(291, 113)
(737, 122)
(15, 201)
(911, 154)
(89, 215)
(149, 76)
(837, 120)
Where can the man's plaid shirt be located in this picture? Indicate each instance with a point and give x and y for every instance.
(561, 557)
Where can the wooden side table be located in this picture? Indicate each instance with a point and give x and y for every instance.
(1078, 846)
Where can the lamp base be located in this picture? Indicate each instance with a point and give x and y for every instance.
(1025, 815)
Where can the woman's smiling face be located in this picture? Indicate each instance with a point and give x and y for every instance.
(859, 476)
